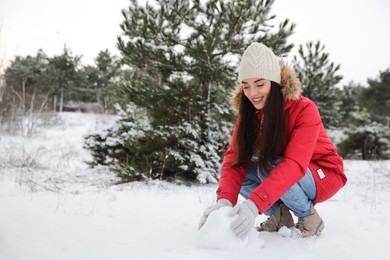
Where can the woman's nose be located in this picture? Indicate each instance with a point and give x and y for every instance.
(253, 91)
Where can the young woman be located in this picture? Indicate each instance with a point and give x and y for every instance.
(280, 157)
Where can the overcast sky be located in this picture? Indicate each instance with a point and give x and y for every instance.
(355, 33)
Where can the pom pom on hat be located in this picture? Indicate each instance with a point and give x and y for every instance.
(258, 61)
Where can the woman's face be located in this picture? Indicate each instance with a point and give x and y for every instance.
(257, 91)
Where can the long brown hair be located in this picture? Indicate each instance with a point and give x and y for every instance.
(265, 142)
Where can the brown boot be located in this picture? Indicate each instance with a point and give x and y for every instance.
(311, 225)
(281, 217)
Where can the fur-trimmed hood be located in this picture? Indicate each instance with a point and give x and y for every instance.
(290, 85)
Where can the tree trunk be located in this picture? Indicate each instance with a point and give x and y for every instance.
(106, 102)
(2, 89)
(61, 99)
(55, 103)
(30, 117)
(23, 95)
(43, 104)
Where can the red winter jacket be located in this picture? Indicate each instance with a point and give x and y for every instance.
(308, 147)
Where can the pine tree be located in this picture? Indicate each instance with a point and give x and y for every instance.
(319, 78)
(26, 93)
(99, 79)
(376, 97)
(370, 141)
(64, 76)
(368, 137)
(183, 58)
(351, 112)
(24, 74)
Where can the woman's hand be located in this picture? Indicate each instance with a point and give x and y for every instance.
(219, 204)
(247, 212)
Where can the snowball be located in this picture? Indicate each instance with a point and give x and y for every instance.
(290, 232)
(285, 231)
(216, 232)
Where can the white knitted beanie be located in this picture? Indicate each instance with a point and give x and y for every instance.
(258, 61)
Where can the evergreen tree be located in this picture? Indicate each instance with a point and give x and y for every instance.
(25, 94)
(319, 78)
(371, 141)
(183, 58)
(368, 136)
(26, 79)
(351, 112)
(100, 78)
(64, 77)
(88, 90)
(376, 97)
(23, 72)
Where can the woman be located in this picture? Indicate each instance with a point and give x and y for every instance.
(280, 157)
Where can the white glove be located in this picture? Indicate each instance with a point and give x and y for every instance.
(247, 212)
(219, 204)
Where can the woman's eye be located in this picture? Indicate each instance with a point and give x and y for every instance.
(259, 85)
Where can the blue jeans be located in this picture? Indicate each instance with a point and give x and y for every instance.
(298, 198)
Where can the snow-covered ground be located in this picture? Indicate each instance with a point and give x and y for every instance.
(52, 206)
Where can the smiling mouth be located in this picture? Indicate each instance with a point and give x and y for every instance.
(258, 100)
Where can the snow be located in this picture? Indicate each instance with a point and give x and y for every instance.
(54, 207)
(216, 232)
